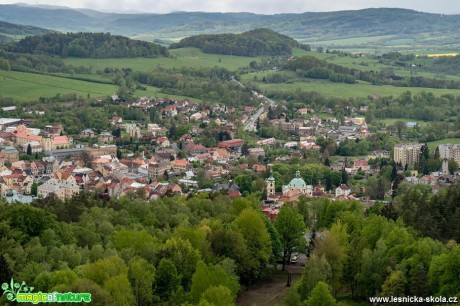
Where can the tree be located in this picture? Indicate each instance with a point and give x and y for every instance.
(166, 279)
(172, 133)
(206, 277)
(218, 296)
(141, 275)
(257, 240)
(184, 257)
(394, 285)
(317, 269)
(5, 272)
(321, 296)
(4, 64)
(452, 166)
(290, 227)
(29, 149)
(120, 290)
(344, 176)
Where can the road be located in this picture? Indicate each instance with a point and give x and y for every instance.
(250, 124)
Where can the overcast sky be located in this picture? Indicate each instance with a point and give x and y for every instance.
(255, 6)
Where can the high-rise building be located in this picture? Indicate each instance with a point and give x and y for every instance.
(407, 153)
(450, 151)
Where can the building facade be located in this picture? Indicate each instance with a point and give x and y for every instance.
(407, 153)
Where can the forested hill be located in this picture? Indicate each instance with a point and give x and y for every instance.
(251, 43)
(369, 28)
(8, 31)
(93, 45)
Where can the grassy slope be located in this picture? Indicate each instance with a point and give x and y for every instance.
(191, 57)
(195, 58)
(29, 86)
(345, 90)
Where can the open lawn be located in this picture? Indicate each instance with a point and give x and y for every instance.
(184, 57)
(328, 88)
(432, 145)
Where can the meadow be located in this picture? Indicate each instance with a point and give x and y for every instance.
(185, 57)
(327, 88)
(27, 86)
(23, 86)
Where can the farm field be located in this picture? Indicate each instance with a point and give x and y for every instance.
(328, 88)
(184, 57)
(23, 86)
(28, 86)
(373, 64)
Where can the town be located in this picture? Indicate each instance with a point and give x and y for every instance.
(201, 148)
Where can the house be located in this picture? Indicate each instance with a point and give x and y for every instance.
(105, 137)
(219, 155)
(378, 154)
(35, 146)
(259, 168)
(163, 142)
(194, 149)
(257, 152)
(156, 170)
(231, 144)
(116, 120)
(179, 165)
(88, 133)
(360, 164)
(266, 141)
(9, 153)
(305, 111)
(342, 190)
(196, 117)
(155, 129)
(359, 121)
(54, 130)
(62, 185)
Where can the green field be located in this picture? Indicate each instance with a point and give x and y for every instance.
(23, 86)
(185, 57)
(328, 88)
(390, 121)
(28, 86)
(434, 144)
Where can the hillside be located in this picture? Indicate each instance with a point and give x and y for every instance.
(251, 43)
(93, 45)
(11, 32)
(363, 29)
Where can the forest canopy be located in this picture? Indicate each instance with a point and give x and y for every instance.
(92, 45)
(251, 43)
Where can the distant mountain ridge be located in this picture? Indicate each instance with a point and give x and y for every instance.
(10, 31)
(387, 27)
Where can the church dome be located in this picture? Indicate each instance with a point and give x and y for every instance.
(297, 182)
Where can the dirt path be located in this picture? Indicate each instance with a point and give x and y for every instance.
(270, 291)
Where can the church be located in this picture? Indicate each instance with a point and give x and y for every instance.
(290, 192)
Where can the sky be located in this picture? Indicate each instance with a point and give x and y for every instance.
(255, 6)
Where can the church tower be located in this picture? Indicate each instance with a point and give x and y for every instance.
(270, 185)
(445, 166)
